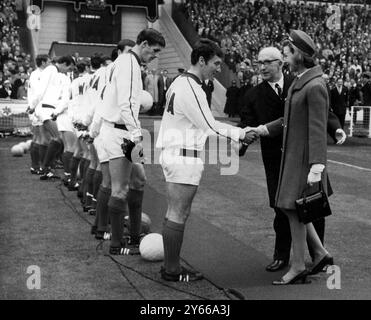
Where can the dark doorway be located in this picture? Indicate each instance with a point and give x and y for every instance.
(93, 26)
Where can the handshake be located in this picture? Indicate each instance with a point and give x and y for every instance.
(251, 135)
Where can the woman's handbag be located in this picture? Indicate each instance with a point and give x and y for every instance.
(313, 207)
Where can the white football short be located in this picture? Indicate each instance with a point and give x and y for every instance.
(103, 156)
(112, 139)
(64, 123)
(181, 169)
(43, 113)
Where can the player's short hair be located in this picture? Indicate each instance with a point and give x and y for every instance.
(96, 61)
(40, 58)
(114, 54)
(81, 67)
(207, 49)
(125, 43)
(152, 36)
(68, 60)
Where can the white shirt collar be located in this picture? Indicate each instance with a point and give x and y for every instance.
(279, 82)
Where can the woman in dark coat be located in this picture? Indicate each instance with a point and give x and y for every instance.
(303, 163)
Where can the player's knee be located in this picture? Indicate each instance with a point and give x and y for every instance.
(138, 183)
(120, 192)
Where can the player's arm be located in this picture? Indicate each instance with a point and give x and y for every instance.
(128, 88)
(46, 77)
(196, 109)
(62, 104)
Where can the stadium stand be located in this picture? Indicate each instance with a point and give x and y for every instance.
(242, 28)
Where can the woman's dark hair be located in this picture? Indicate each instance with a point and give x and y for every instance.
(207, 49)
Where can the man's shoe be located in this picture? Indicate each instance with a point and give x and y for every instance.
(93, 230)
(129, 248)
(184, 275)
(73, 187)
(277, 265)
(102, 235)
(33, 171)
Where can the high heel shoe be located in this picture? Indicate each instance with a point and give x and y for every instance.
(302, 276)
(327, 260)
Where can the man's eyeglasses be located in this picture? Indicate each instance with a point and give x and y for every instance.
(266, 62)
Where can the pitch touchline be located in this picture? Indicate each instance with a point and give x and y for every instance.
(350, 165)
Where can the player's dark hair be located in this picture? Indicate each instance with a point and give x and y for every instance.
(40, 58)
(66, 59)
(207, 49)
(125, 43)
(96, 61)
(152, 36)
(114, 54)
(81, 67)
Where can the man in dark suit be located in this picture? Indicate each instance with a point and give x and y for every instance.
(354, 98)
(340, 100)
(163, 83)
(263, 104)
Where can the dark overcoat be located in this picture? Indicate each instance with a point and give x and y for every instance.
(304, 136)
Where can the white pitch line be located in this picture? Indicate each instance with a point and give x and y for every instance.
(350, 165)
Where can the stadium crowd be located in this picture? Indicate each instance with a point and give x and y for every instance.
(243, 27)
(15, 65)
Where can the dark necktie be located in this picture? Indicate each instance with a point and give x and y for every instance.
(279, 90)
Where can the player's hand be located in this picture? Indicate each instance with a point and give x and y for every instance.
(340, 136)
(30, 110)
(250, 137)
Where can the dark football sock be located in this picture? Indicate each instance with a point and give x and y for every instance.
(117, 209)
(102, 208)
(74, 164)
(89, 180)
(34, 152)
(81, 168)
(66, 159)
(97, 181)
(53, 148)
(172, 234)
(60, 150)
(135, 198)
(42, 152)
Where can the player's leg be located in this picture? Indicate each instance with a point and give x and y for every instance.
(53, 148)
(83, 168)
(35, 149)
(44, 142)
(103, 196)
(120, 172)
(74, 165)
(135, 199)
(89, 178)
(180, 198)
(102, 191)
(69, 140)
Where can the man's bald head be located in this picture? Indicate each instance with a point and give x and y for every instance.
(270, 53)
(270, 62)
